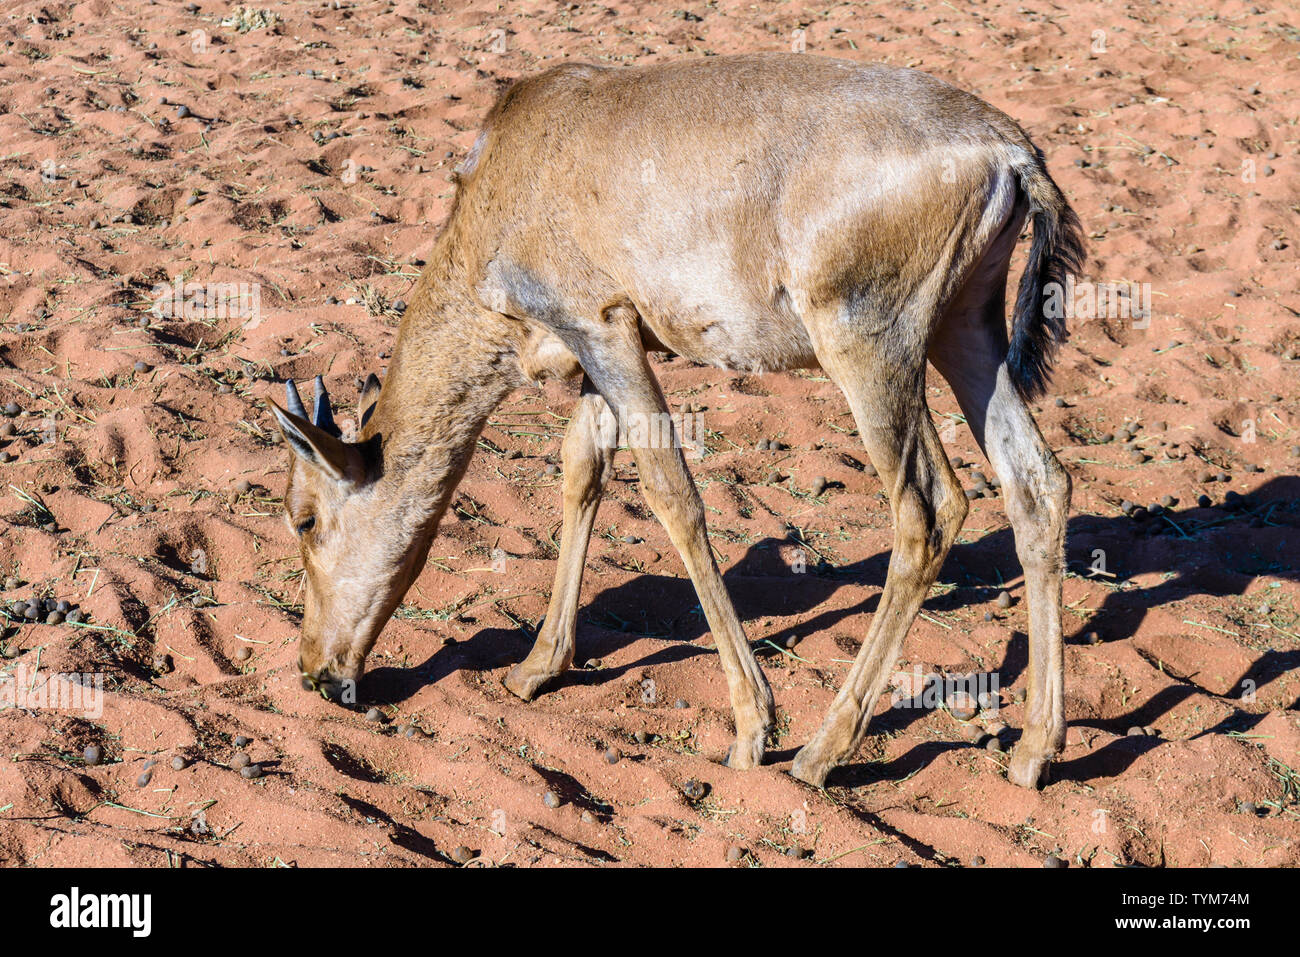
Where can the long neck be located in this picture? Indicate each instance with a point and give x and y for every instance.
(453, 365)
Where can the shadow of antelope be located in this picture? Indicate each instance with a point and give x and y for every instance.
(1202, 552)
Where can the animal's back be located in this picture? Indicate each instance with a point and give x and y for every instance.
(726, 195)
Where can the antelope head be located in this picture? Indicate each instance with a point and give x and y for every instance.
(360, 551)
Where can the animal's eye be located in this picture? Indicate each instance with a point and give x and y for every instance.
(306, 525)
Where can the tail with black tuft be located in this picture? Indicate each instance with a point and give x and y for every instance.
(1056, 252)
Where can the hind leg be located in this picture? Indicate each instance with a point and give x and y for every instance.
(588, 456)
(928, 506)
(970, 352)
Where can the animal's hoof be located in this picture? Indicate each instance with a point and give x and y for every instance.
(1028, 770)
(746, 753)
(524, 682)
(809, 768)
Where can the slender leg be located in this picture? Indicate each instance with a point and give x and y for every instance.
(970, 354)
(617, 365)
(588, 456)
(929, 507)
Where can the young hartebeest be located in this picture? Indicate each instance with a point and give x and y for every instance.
(755, 213)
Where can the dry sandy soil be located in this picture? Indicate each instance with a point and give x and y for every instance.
(309, 153)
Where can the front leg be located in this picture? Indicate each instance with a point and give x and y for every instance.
(588, 456)
(617, 365)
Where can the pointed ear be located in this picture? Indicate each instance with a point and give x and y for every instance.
(369, 396)
(316, 447)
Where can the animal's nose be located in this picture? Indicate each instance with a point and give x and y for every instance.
(324, 682)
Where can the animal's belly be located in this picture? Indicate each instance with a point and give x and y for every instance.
(747, 339)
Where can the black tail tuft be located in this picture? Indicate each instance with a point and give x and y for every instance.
(1056, 252)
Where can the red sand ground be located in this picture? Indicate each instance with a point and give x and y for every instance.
(1148, 127)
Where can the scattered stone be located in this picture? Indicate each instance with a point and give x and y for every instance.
(179, 763)
(551, 800)
(1053, 861)
(242, 741)
(962, 706)
(374, 714)
(613, 755)
(143, 780)
(462, 854)
(93, 755)
(694, 790)
(1004, 599)
(735, 854)
(240, 761)
(251, 771)
(818, 486)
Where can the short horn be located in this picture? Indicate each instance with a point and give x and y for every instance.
(294, 399)
(322, 414)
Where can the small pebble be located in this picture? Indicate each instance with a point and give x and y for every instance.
(613, 755)
(374, 714)
(681, 704)
(818, 485)
(242, 741)
(1004, 599)
(962, 707)
(693, 790)
(178, 763)
(251, 771)
(93, 755)
(143, 780)
(735, 854)
(551, 800)
(240, 761)
(462, 854)
(1053, 861)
